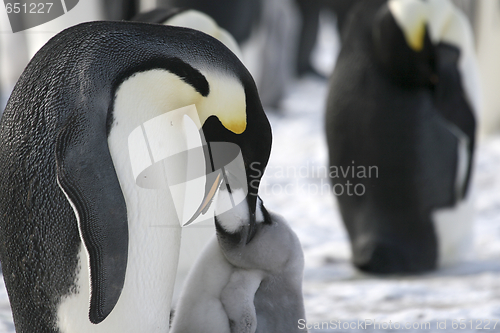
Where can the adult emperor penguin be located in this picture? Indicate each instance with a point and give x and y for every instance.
(237, 286)
(401, 122)
(83, 247)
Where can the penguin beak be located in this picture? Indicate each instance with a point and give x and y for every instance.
(254, 174)
(213, 182)
(223, 165)
(252, 207)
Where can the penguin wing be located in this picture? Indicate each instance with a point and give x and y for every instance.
(237, 297)
(87, 176)
(452, 104)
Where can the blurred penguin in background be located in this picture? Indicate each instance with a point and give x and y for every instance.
(310, 15)
(238, 17)
(487, 17)
(193, 19)
(265, 31)
(17, 49)
(117, 10)
(401, 125)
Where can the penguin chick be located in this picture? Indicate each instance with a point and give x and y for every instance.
(237, 286)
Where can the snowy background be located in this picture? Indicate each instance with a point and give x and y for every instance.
(333, 289)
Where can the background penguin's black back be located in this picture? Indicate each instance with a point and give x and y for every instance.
(375, 118)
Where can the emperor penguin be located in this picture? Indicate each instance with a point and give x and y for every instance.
(401, 124)
(241, 286)
(309, 27)
(83, 247)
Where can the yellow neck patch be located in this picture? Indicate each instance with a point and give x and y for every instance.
(226, 101)
(149, 94)
(416, 39)
(445, 23)
(411, 17)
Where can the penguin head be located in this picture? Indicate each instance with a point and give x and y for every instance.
(228, 111)
(255, 145)
(407, 35)
(250, 130)
(230, 123)
(228, 115)
(222, 110)
(439, 18)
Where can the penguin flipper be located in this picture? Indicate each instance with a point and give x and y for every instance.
(452, 103)
(86, 175)
(237, 297)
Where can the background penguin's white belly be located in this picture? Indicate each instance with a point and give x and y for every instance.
(454, 232)
(453, 225)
